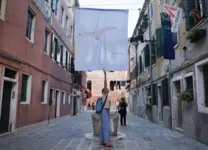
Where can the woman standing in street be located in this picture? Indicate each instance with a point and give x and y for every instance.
(105, 120)
(123, 111)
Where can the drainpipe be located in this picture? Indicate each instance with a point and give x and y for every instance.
(169, 93)
(150, 55)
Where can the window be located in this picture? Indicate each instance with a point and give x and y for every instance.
(69, 99)
(66, 24)
(30, 27)
(69, 62)
(154, 95)
(72, 65)
(9, 73)
(62, 53)
(151, 10)
(63, 98)
(67, 59)
(26, 88)
(64, 58)
(89, 85)
(51, 97)
(44, 92)
(57, 52)
(201, 69)
(0, 7)
(195, 11)
(71, 30)
(147, 56)
(189, 82)
(54, 5)
(165, 92)
(46, 41)
(159, 47)
(62, 15)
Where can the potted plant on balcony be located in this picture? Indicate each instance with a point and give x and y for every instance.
(196, 34)
(187, 95)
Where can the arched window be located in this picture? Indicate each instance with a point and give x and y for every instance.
(89, 85)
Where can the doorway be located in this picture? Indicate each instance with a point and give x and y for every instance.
(5, 107)
(177, 87)
(57, 104)
(74, 105)
(159, 88)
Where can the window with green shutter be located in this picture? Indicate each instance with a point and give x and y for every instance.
(43, 91)
(147, 56)
(140, 64)
(51, 97)
(155, 98)
(153, 52)
(24, 88)
(159, 48)
(62, 55)
(165, 92)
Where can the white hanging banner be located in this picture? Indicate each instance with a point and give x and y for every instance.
(101, 39)
(175, 15)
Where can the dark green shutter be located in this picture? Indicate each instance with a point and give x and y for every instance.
(51, 97)
(62, 54)
(140, 64)
(153, 52)
(24, 88)
(159, 48)
(147, 56)
(165, 92)
(155, 100)
(42, 91)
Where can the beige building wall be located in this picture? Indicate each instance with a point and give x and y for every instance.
(97, 79)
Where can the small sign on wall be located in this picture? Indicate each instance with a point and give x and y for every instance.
(13, 94)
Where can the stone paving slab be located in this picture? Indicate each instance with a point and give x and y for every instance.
(69, 134)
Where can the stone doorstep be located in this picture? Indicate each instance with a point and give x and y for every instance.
(31, 128)
(3, 135)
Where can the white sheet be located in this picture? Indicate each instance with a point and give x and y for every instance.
(101, 39)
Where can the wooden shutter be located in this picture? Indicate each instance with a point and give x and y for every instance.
(159, 48)
(155, 100)
(165, 92)
(147, 56)
(24, 88)
(62, 56)
(42, 91)
(66, 63)
(51, 97)
(140, 64)
(153, 52)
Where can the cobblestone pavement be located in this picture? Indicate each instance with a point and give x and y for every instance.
(68, 133)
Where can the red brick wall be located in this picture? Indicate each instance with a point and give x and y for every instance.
(36, 62)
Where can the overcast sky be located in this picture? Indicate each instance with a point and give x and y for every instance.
(132, 5)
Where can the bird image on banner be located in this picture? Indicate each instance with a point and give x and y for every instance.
(101, 41)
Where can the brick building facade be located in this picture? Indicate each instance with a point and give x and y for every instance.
(36, 61)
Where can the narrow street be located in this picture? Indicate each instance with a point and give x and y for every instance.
(68, 133)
